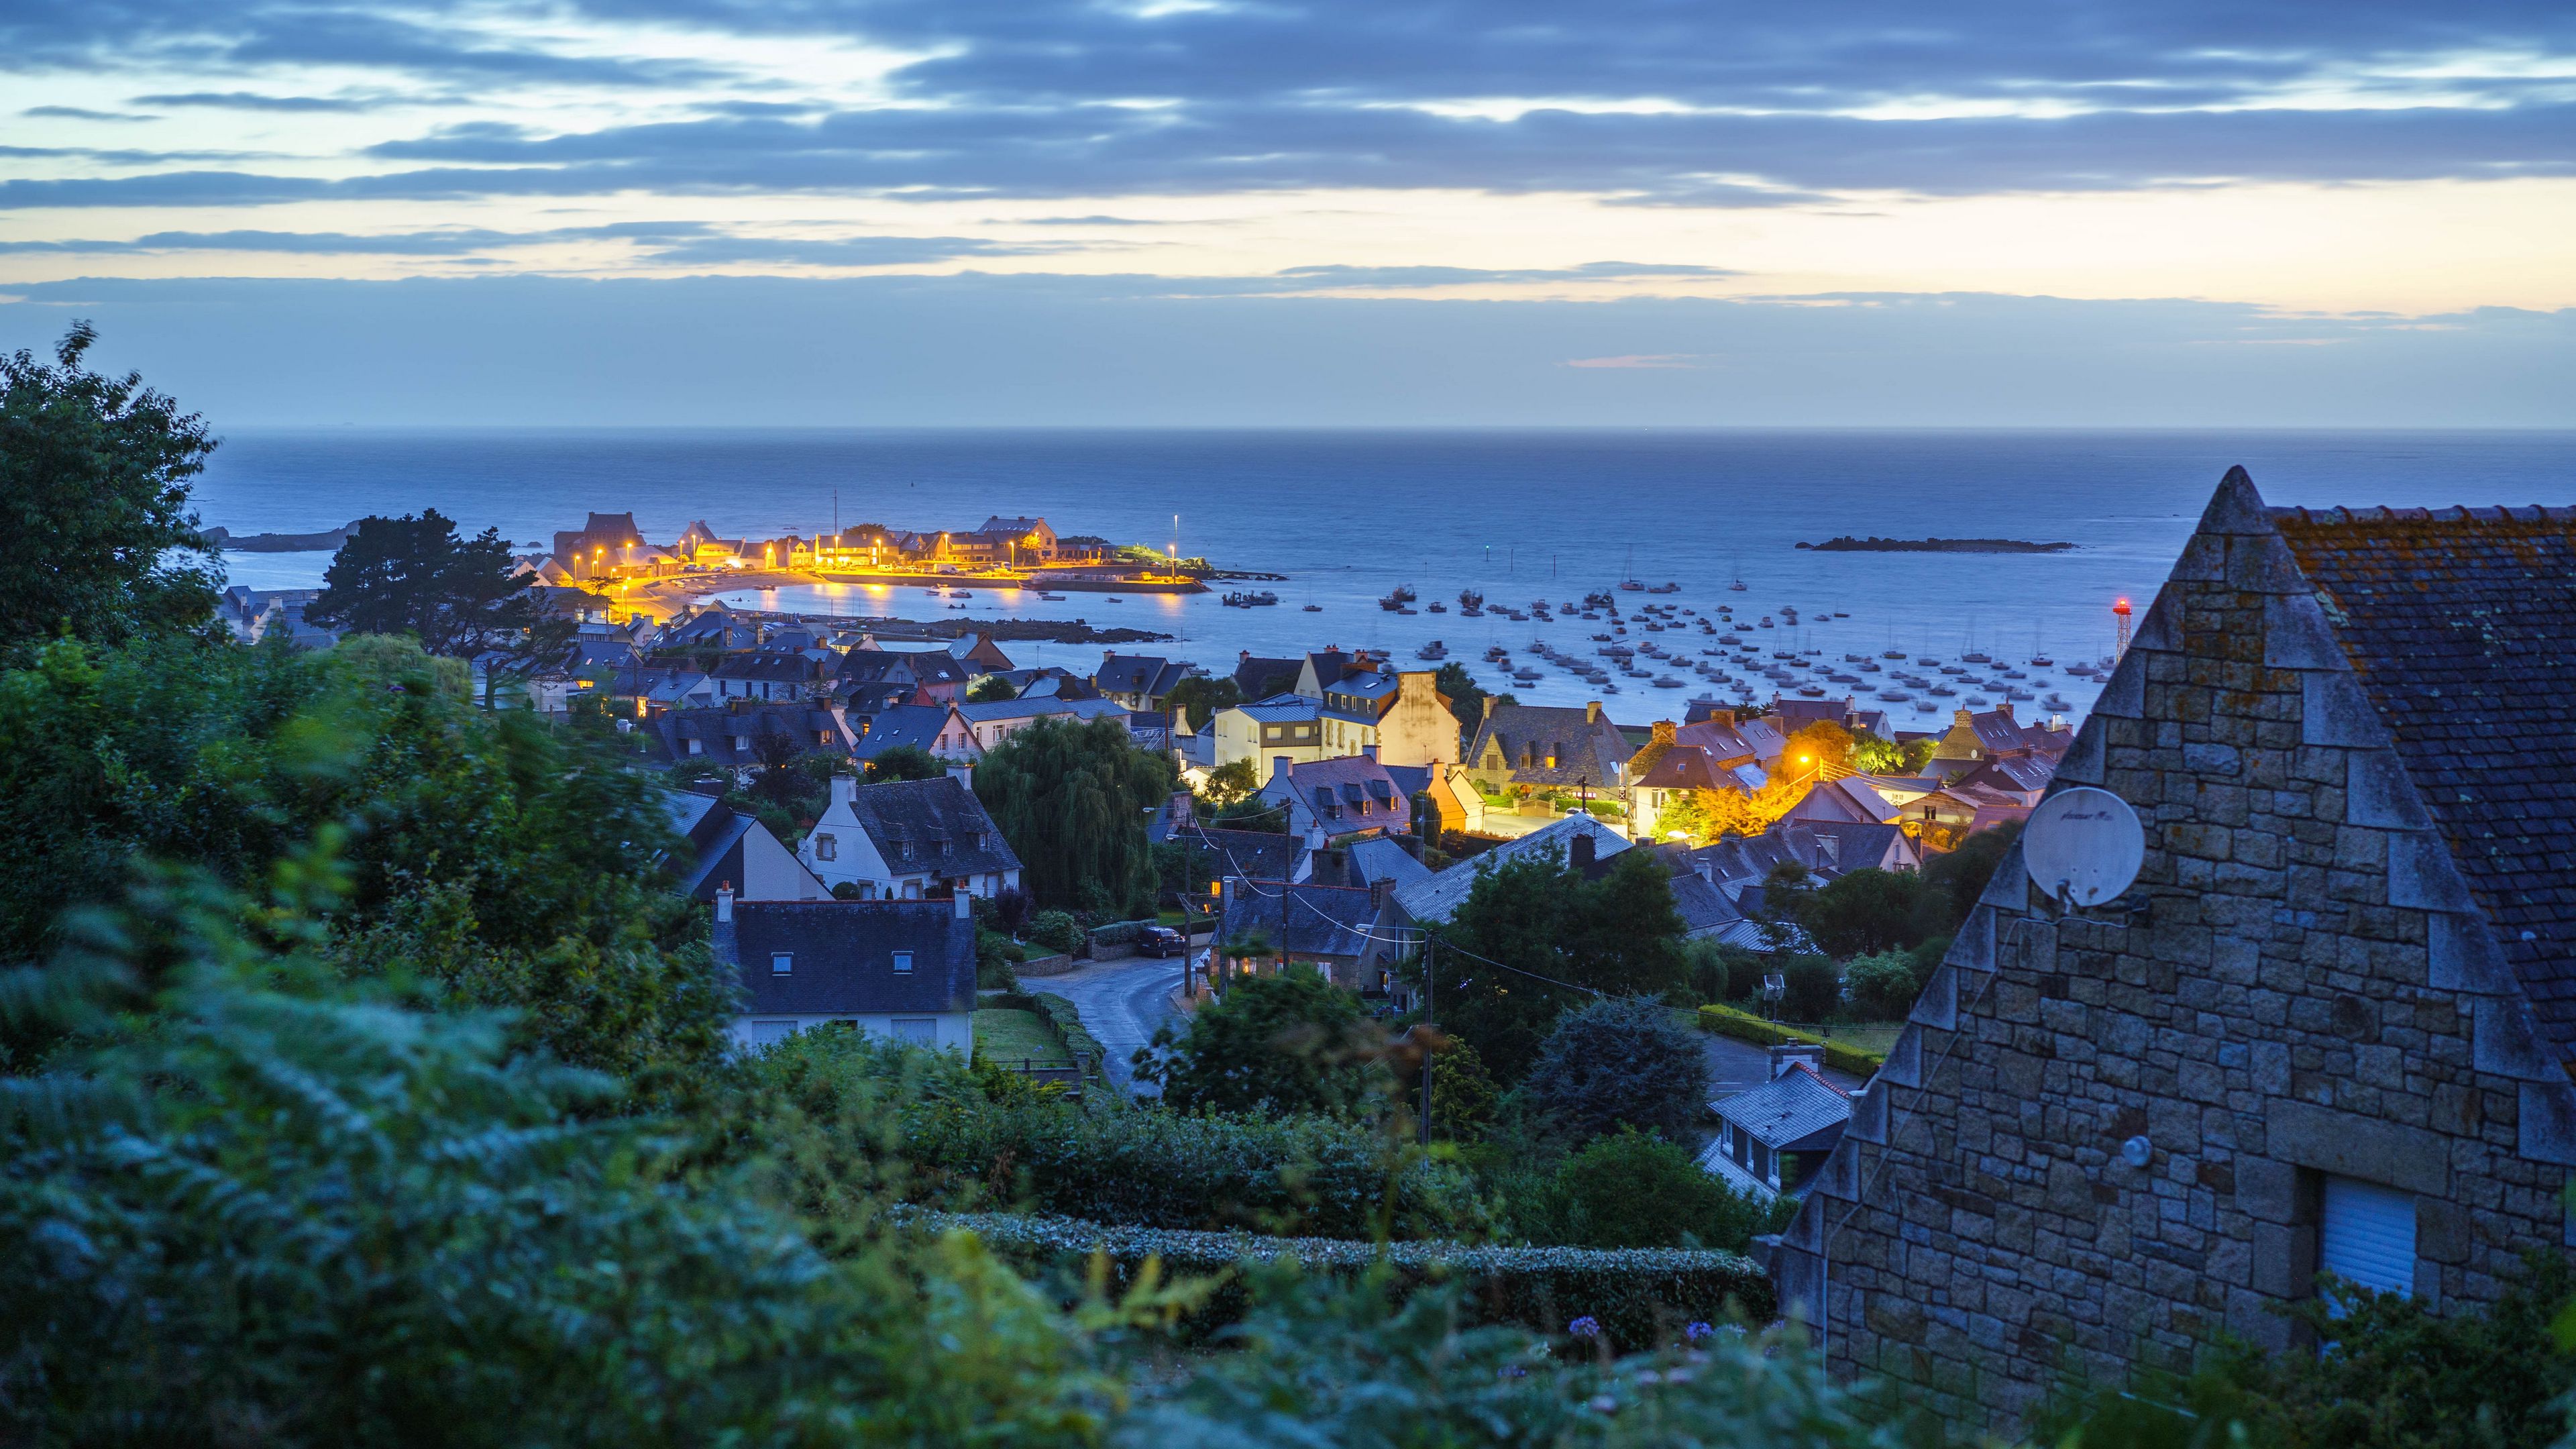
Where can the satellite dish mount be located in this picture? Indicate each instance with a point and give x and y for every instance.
(2083, 847)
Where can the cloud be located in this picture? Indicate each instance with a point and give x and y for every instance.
(1640, 101)
(677, 243)
(249, 101)
(78, 113)
(1635, 361)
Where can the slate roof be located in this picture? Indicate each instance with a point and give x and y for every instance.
(905, 724)
(1301, 920)
(1147, 674)
(1439, 898)
(776, 666)
(1588, 750)
(2461, 625)
(1347, 793)
(716, 730)
(1251, 854)
(934, 825)
(1085, 710)
(1367, 862)
(842, 956)
(1789, 1112)
(1686, 767)
(1704, 908)
(1284, 709)
(1251, 673)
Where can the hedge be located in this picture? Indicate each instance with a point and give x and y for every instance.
(1745, 1026)
(1642, 1297)
(1079, 1043)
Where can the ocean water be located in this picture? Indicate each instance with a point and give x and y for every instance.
(1347, 516)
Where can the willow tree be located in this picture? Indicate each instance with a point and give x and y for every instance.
(1072, 799)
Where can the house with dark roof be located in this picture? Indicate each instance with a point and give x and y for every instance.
(1216, 854)
(935, 672)
(1345, 798)
(935, 728)
(729, 735)
(995, 721)
(909, 839)
(1536, 753)
(769, 674)
(729, 847)
(2329, 1030)
(898, 969)
(1577, 838)
(1328, 927)
(1773, 1139)
(1138, 681)
(1260, 678)
(1976, 736)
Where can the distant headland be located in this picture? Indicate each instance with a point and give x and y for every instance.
(328, 541)
(1849, 544)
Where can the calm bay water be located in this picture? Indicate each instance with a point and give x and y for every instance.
(1349, 515)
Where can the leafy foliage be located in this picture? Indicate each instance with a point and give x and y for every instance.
(1200, 696)
(1619, 1063)
(1072, 799)
(1619, 934)
(1283, 1041)
(905, 762)
(1883, 987)
(1956, 878)
(491, 857)
(94, 501)
(991, 689)
(1863, 912)
(415, 577)
(1057, 931)
(1230, 784)
(1633, 1190)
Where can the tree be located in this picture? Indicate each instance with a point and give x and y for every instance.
(1634, 1190)
(1072, 801)
(1287, 1041)
(991, 689)
(1883, 987)
(1705, 815)
(416, 577)
(1546, 924)
(905, 762)
(1463, 1095)
(1620, 1062)
(1862, 912)
(1466, 696)
(94, 481)
(1200, 696)
(1229, 784)
(1953, 880)
(1817, 746)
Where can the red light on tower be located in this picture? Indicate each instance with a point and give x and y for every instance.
(2120, 616)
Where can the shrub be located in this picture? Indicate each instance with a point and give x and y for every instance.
(1745, 1026)
(1814, 988)
(1621, 1062)
(1159, 1168)
(1883, 987)
(1056, 931)
(1286, 1041)
(1719, 972)
(1629, 1190)
(1641, 1296)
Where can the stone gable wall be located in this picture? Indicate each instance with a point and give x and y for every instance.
(2308, 992)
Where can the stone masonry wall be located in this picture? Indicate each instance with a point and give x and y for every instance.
(2310, 991)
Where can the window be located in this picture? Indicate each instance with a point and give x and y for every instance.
(697, 747)
(827, 847)
(903, 963)
(782, 963)
(2369, 1235)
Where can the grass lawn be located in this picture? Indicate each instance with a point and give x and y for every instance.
(1869, 1036)
(1012, 1036)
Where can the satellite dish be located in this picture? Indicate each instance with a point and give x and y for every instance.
(2083, 846)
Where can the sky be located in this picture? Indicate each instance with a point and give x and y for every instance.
(1264, 212)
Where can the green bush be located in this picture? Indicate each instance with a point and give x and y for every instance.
(1056, 931)
(1630, 1190)
(1285, 1041)
(1883, 987)
(1640, 1296)
(1814, 988)
(1079, 1043)
(1745, 1026)
(1620, 1062)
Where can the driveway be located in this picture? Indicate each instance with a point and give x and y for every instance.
(1121, 1002)
(1740, 1066)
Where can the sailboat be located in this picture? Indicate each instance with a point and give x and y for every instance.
(1739, 586)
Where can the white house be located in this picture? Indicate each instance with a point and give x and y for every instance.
(907, 839)
(901, 969)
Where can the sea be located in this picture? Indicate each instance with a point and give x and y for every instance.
(1347, 516)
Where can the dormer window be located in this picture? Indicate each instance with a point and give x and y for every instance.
(903, 963)
(782, 963)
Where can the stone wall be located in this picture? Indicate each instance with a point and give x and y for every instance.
(2307, 990)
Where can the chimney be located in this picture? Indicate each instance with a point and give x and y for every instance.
(1245, 656)
(1788, 1056)
(965, 904)
(1581, 853)
(845, 788)
(1108, 654)
(963, 773)
(1280, 766)
(1377, 895)
(1369, 752)
(1592, 711)
(1489, 706)
(724, 904)
(1663, 731)
(1315, 835)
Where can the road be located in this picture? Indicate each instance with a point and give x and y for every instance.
(1121, 1002)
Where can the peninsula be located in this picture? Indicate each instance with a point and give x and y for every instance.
(327, 541)
(1849, 544)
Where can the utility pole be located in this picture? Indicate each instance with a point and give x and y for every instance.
(1426, 1029)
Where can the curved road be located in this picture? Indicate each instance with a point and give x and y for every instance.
(1121, 1002)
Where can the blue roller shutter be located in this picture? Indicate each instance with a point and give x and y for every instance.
(2370, 1235)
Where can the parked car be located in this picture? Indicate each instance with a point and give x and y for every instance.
(1162, 941)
